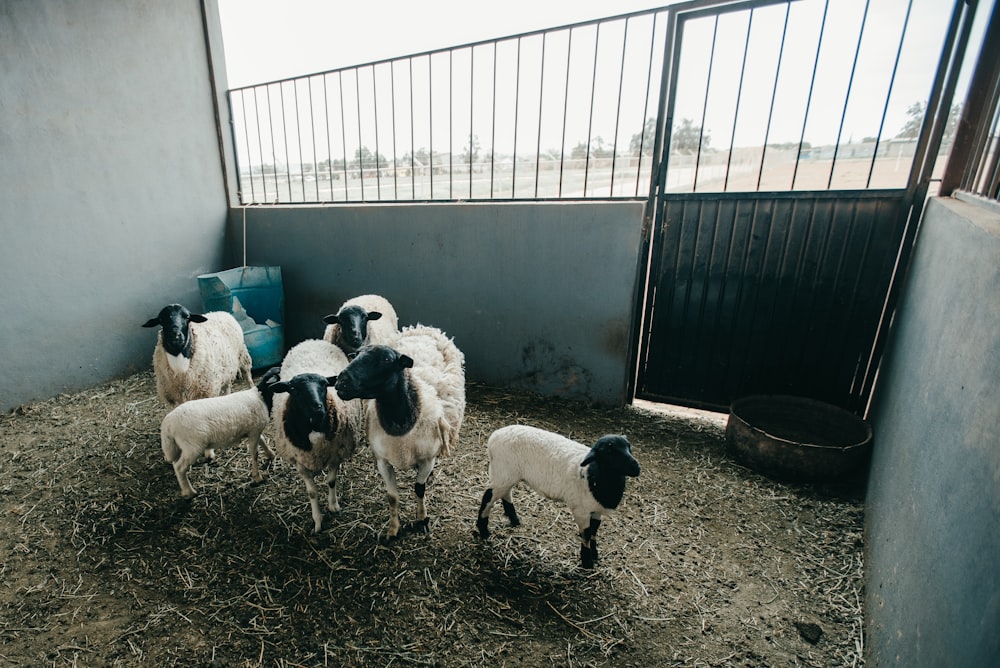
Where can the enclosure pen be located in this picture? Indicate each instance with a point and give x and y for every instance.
(704, 563)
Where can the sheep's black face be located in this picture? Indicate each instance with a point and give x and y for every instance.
(176, 335)
(353, 321)
(307, 400)
(373, 372)
(614, 452)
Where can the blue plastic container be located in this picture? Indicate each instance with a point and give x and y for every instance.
(256, 298)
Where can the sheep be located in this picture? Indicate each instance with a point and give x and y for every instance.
(591, 481)
(416, 396)
(316, 430)
(368, 319)
(195, 428)
(197, 356)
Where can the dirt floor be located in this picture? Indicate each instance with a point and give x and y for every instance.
(705, 564)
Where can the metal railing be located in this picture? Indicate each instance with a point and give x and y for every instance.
(554, 114)
(974, 164)
(772, 95)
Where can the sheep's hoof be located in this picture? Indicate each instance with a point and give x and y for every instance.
(588, 557)
(187, 496)
(482, 529)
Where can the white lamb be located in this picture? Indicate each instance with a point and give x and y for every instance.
(197, 356)
(590, 480)
(364, 320)
(418, 392)
(195, 428)
(316, 430)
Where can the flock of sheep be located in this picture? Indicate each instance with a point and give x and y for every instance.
(366, 382)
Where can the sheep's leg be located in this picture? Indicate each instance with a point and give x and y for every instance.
(313, 491)
(253, 442)
(181, 468)
(332, 499)
(423, 473)
(483, 517)
(588, 544)
(392, 492)
(507, 501)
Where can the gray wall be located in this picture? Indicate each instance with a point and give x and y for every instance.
(538, 296)
(111, 183)
(932, 539)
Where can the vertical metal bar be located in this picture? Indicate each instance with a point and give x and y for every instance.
(284, 129)
(451, 129)
(312, 124)
(590, 120)
(493, 141)
(618, 110)
(395, 151)
(472, 97)
(562, 145)
(517, 101)
(645, 105)
(704, 108)
(378, 165)
(980, 103)
(541, 94)
(774, 94)
(413, 150)
(847, 94)
(246, 136)
(343, 133)
(329, 148)
(983, 142)
(298, 137)
(361, 152)
(812, 83)
(888, 94)
(739, 96)
(430, 120)
(260, 144)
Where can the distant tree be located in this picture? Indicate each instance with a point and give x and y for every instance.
(915, 118)
(365, 159)
(644, 140)
(688, 138)
(470, 152)
(598, 149)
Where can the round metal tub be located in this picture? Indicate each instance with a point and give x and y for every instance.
(796, 439)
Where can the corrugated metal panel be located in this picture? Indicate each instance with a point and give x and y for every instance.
(768, 293)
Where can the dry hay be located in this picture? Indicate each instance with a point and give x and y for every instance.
(705, 564)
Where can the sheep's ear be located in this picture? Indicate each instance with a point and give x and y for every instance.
(330, 319)
(197, 317)
(591, 456)
(405, 362)
(374, 315)
(152, 322)
(330, 380)
(280, 387)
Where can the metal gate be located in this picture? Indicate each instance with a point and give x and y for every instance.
(771, 268)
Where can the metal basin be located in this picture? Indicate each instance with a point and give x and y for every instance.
(797, 439)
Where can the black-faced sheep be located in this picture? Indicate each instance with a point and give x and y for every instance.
(591, 481)
(364, 320)
(197, 356)
(417, 390)
(316, 430)
(195, 428)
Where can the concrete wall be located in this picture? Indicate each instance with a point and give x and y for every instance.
(538, 296)
(111, 182)
(932, 541)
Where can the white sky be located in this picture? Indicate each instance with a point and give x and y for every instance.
(274, 39)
